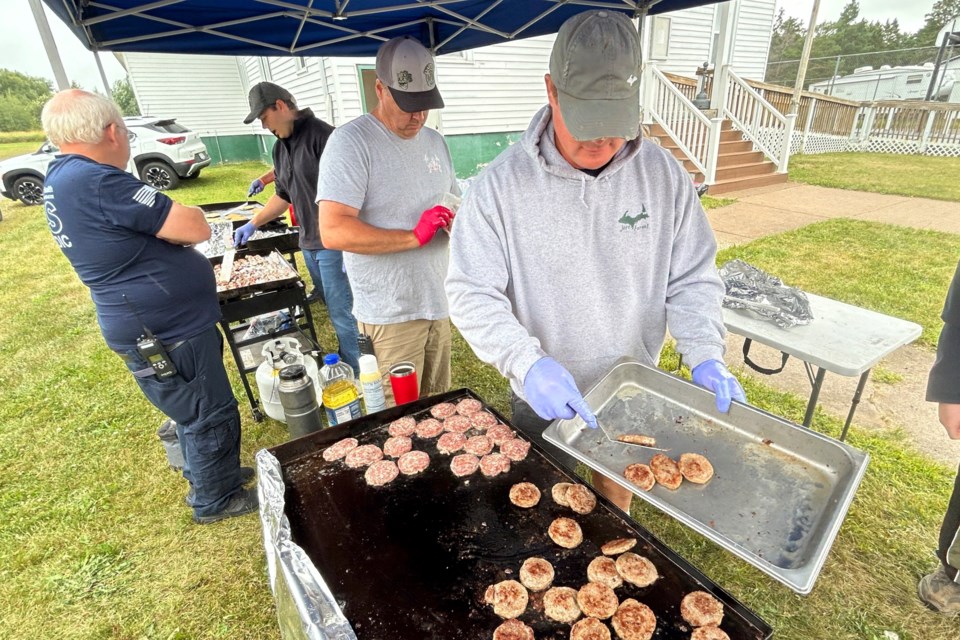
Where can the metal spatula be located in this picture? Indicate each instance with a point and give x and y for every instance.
(226, 266)
(634, 444)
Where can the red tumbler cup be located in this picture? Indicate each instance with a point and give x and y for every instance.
(403, 381)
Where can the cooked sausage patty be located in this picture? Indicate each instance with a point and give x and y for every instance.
(513, 630)
(618, 546)
(581, 499)
(536, 574)
(640, 475)
(701, 609)
(508, 598)
(604, 570)
(666, 471)
(709, 633)
(636, 569)
(634, 621)
(525, 495)
(636, 438)
(559, 493)
(589, 629)
(565, 532)
(597, 600)
(560, 604)
(696, 468)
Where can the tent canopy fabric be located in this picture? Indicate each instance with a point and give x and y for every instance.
(323, 27)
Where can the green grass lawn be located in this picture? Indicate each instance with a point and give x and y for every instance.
(95, 541)
(11, 149)
(904, 175)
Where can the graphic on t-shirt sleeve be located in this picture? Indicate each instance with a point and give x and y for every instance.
(147, 195)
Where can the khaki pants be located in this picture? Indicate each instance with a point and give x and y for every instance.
(425, 343)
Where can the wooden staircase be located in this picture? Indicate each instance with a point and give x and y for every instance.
(739, 167)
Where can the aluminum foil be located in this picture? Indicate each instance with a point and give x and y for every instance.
(306, 609)
(755, 290)
(221, 239)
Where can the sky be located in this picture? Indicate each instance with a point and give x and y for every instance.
(22, 50)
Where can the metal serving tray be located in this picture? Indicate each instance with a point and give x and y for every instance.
(412, 560)
(779, 493)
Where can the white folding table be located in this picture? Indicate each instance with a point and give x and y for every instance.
(842, 338)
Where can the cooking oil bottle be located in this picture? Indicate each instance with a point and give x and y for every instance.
(340, 398)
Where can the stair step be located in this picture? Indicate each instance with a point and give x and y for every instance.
(730, 135)
(744, 170)
(735, 146)
(742, 184)
(726, 161)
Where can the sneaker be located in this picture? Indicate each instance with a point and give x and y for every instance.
(939, 592)
(246, 475)
(316, 296)
(239, 504)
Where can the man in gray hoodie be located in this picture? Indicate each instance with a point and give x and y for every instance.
(582, 243)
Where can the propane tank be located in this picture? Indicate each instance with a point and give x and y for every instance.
(277, 354)
(299, 399)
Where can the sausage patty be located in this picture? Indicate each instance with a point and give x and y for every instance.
(429, 428)
(589, 629)
(640, 475)
(499, 433)
(443, 410)
(581, 499)
(451, 442)
(469, 406)
(636, 569)
(618, 546)
(339, 449)
(604, 570)
(457, 424)
(515, 449)
(413, 462)
(397, 446)
(634, 621)
(637, 438)
(597, 600)
(666, 471)
(525, 495)
(363, 456)
(464, 465)
(701, 609)
(559, 493)
(381, 473)
(709, 633)
(483, 420)
(536, 574)
(404, 426)
(696, 468)
(560, 604)
(478, 445)
(565, 532)
(508, 598)
(493, 464)
(513, 630)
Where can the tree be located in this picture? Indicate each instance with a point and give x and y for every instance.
(21, 99)
(942, 12)
(124, 97)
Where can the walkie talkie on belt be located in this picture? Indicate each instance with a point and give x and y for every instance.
(151, 349)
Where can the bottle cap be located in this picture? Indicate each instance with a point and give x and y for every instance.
(368, 364)
(331, 358)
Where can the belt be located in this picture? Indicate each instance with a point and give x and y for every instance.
(146, 373)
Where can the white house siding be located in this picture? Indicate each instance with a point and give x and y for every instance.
(204, 93)
(752, 44)
(691, 34)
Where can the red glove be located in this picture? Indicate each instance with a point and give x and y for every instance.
(431, 221)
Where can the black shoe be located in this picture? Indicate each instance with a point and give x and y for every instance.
(239, 504)
(246, 475)
(316, 296)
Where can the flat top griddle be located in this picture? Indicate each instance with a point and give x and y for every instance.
(413, 559)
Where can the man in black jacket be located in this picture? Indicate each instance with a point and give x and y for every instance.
(941, 589)
(301, 138)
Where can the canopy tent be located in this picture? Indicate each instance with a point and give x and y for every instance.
(323, 27)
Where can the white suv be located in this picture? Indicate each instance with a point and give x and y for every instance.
(161, 153)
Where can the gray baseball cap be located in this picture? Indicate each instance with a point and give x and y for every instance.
(407, 69)
(595, 66)
(263, 95)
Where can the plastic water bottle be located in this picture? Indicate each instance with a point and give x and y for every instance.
(372, 383)
(340, 398)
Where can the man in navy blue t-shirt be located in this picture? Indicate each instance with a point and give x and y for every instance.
(129, 244)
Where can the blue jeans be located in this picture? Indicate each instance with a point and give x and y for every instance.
(336, 291)
(199, 399)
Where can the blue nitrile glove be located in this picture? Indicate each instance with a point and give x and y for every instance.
(255, 187)
(241, 235)
(714, 375)
(552, 393)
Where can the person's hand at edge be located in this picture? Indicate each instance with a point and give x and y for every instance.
(431, 221)
(552, 393)
(714, 376)
(241, 235)
(255, 187)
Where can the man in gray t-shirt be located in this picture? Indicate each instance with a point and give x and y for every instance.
(381, 179)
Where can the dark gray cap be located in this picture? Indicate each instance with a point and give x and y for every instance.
(407, 69)
(595, 66)
(263, 95)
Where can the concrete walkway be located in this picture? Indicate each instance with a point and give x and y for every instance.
(778, 208)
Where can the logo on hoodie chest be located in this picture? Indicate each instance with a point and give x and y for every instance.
(634, 221)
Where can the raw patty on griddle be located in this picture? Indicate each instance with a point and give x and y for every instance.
(483, 420)
(700, 609)
(536, 574)
(636, 570)
(413, 462)
(451, 442)
(597, 600)
(515, 449)
(464, 465)
(565, 532)
(696, 468)
(509, 598)
(404, 426)
(339, 449)
(469, 406)
(581, 499)
(513, 630)
(493, 464)
(381, 473)
(604, 570)
(525, 495)
(559, 493)
(457, 424)
(429, 428)
(634, 621)
(640, 475)
(666, 471)
(363, 456)
(709, 633)
(478, 445)
(560, 604)
(443, 410)
(500, 433)
(589, 629)
(397, 446)
(618, 546)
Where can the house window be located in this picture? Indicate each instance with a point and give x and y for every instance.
(301, 64)
(660, 38)
(915, 79)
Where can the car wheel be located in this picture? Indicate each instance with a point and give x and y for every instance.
(159, 175)
(28, 190)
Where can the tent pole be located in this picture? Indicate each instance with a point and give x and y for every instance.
(49, 45)
(103, 75)
(805, 58)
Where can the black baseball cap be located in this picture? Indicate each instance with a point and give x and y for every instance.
(263, 95)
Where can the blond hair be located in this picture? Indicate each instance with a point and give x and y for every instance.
(77, 116)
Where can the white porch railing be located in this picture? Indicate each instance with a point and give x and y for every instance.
(758, 120)
(697, 135)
